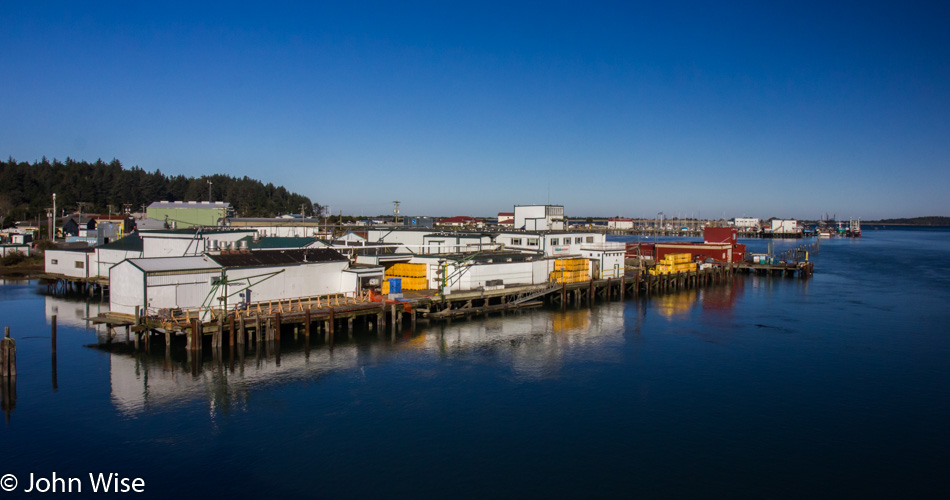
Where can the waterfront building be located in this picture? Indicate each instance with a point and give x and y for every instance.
(179, 242)
(231, 279)
(539, 217)
(72, 260)
(619, 223)
(747, 223)
(785, 226)
(549, 243)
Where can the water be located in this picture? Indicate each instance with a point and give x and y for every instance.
(774, 387)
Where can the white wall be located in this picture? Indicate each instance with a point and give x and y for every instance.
(126, 288)
(784, 226)
(302, 280)
(65, 262)
(610, 262)
(512, 273)
(106, 258)
(746, 222)
(166, 244)
(412, 239)
(567, 242)
(450, 243)
(620, 223)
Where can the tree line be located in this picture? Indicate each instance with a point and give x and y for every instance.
(933, 220)
(26, 190)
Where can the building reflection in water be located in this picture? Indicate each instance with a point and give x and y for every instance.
(535, 344)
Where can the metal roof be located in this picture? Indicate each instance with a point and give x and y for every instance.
(130, 243)
(277, 257)
(274, 242)
(162, 264)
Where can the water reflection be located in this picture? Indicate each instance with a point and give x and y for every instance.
(73, 313)
(534, 344)
(716, 299)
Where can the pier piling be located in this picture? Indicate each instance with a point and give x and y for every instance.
(8, 355)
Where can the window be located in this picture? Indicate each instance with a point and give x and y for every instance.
(516, 241)
(532, 242)
(80, 264)
(54, 261)
(590, 239)
(554, 241)
(578, 240)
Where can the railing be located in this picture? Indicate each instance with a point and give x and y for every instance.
(171, 318)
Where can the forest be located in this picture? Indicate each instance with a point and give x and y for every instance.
(933, 220)
(26, 190)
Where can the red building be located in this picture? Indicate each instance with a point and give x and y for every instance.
(720, 235)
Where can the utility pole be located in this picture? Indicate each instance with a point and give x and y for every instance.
(209, 191)
(53, 225)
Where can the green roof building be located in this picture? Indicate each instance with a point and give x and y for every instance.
(185, 214)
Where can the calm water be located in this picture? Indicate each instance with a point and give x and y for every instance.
(834, 387)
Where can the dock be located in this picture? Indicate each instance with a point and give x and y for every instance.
(338, 314)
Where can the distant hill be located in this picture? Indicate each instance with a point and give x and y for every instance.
(26, 189)
(915, 221)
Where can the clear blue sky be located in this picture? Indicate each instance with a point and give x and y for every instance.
(714, 109)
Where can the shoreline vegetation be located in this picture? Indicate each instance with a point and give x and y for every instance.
(932, 221)
(26, 190)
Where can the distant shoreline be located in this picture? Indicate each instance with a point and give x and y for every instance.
(901, 224)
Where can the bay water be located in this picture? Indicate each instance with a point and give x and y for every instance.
(768, 387)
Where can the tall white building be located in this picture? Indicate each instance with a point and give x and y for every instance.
(539, 217)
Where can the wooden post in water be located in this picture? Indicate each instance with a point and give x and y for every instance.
(306, 330)
(277, 327)
(195, 333)
(240, 335)
(8, 348)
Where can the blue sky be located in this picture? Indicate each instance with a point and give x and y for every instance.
(693, 109)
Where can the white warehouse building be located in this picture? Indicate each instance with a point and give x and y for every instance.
(232, 278)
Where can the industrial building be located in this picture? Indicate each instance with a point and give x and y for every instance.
(539, 217)
(185, 214)
(232, 279)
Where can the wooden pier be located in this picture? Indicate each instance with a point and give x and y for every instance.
(59, 284)
(340, 314)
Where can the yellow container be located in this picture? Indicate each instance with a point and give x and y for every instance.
(402, 270)
(385, 287)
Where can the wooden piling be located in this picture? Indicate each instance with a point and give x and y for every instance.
(195, 335)
(306, 330)
(7, 355)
